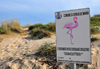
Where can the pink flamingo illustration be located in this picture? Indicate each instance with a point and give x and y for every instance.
(71, 26)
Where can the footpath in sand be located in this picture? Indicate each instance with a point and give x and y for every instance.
(13, 49)
(18, 53)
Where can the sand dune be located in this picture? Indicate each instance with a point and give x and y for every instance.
(18, 53)
(13, 51)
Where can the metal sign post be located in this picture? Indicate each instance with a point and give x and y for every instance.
(73, 65)
(73, 36)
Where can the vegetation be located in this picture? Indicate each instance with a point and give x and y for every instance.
(95, 30)
(40, 36)
(46, 49)
(96, 15)
(95, 23)
(95, 20)
(2, 31)
(7, 26)
(41, 30)
(40, 33)
(35, 26)
(94, 39)
(49, 26)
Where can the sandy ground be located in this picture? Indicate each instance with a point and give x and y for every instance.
(13, 51)
(95, 36)
(95, 55)
(13, 48)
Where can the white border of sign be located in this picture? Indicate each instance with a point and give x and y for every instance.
(89, 32)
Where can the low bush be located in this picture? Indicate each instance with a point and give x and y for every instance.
(95, 30)
(45, 27)
(47, 33)
(98, 15)
(2, 31)
(34, 31)
(30, 27)
(40, 32)
(40, 36)
(94, 39)
(46, 49)
(5, 31)
(49, 27)
(35, 26)
(95, 20)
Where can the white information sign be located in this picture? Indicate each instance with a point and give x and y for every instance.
(73, 36)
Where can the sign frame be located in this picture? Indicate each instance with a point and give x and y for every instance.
(89, 37)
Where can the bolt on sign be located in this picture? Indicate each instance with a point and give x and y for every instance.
(73, 36)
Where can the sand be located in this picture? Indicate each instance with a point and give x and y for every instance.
(17, 52)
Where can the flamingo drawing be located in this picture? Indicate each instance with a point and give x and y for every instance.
(71, 26)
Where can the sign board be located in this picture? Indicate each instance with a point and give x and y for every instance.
(73, 36)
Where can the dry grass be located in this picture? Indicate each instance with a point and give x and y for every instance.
(10, 26)
(46, 50)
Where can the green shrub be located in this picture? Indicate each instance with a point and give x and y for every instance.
(30, 27)
(35, 26)
(46, 49)
(95, 30)
(51, 27)
(45, 27)
(38, 31)
(2, 31)
(34, 31)
(40, 36)
(95, 21)
(97, 15)
(47, 33)
(94, 39)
